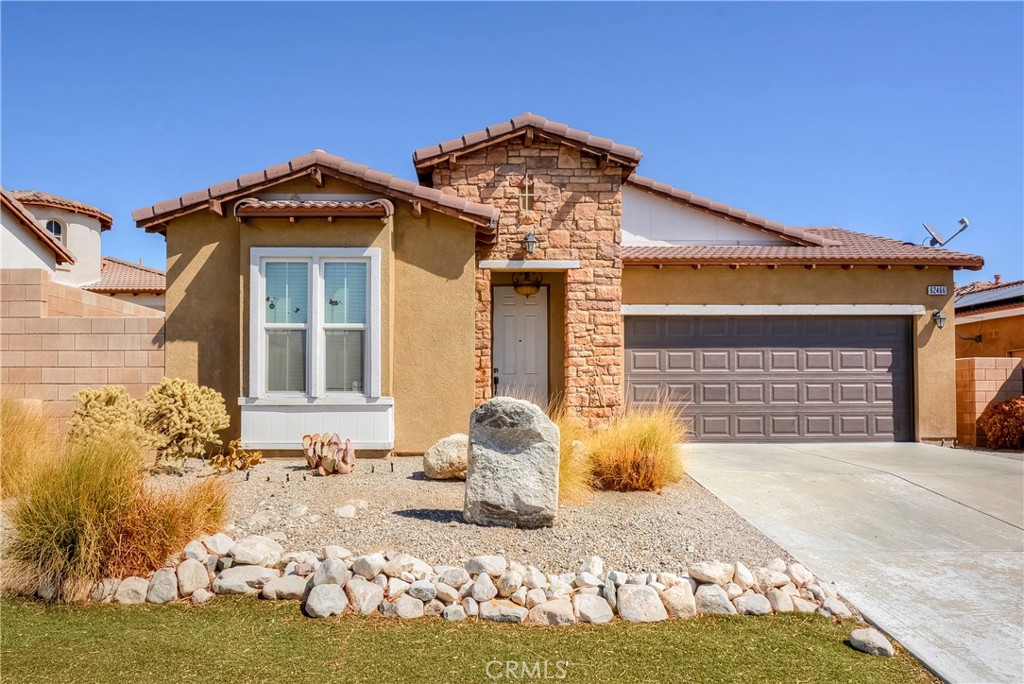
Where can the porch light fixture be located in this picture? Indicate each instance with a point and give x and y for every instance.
(939, 318)
(529, 243)
(526, 284)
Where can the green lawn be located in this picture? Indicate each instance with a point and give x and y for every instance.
(245, 640)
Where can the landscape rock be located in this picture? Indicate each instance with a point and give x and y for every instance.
(742, 576)
(679, 600)
(471, 606)
(777, 565)
(402, 563)
(408, 608)
(869, 640)
(131, 590)
(780, 601)
(219, 543)
(455, 577)
(348, 511)
(368, 566)
(499, 610)
(591, 608)
(594, 565)
(448, 458)
(201, 596)
(711, 598)
(488, 565)
(364, 597)
(586, 579)
(512, 475)
(333, 551)
(103, 591)
(163, 587)
(732, 590)
(445, 592)
(509, 581)
(533, 578)
(287, 588)
(325, 600)
(640, 603)
(712, 572)
(454, 613)
(243, 579)
(836, 607)
(256, 550)
(196, 551)
(192, 575)
(535, 596)
(800, 575)
(752, 604)
(559, 612)
(395, 587)
(803, 606)
(433, 608)
(422, 590)
(766, 579)
(483, 588)
(331, 571)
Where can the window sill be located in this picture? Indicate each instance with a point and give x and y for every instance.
(335, 400)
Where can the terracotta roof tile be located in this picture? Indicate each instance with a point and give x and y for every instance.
(117, 275)
(426, 157)
(843, 247)
(152, 217)
(984, 286)
(46, 199)
(25, 217)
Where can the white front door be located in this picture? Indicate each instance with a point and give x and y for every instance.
(520, 344)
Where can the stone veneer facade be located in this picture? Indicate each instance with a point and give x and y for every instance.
(576, 215)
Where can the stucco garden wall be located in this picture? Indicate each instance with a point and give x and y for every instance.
(934, 391)
(56, 339)
(999, 337)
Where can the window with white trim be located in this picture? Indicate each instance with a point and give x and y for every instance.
(56, 229)
(316, 319)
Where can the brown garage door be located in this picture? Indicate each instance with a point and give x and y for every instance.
(777, 378)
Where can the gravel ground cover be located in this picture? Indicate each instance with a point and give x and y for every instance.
(396, 508)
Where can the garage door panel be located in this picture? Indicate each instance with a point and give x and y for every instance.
(777, 378)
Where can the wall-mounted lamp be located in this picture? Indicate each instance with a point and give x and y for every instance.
(526, 284)
(939, 318)
(529, 243)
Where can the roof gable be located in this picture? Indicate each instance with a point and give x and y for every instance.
(316, 164)
(25, 217)
(529, 125)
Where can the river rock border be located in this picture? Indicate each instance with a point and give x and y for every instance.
(493, 588)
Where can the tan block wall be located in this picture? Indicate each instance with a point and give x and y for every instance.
(934, 372)
(56, 339)
(576, 215)
(981, 382)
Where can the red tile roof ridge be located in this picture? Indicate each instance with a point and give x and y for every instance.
(432, 154)
(28, 220)
(48, 199)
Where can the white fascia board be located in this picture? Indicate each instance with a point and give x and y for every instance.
(532, 265)
(772, 310)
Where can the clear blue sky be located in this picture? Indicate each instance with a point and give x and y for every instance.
(873, 117)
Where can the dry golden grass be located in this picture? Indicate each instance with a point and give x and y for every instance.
(575, 472)
(90, 514)
(639, 450)
(28, 442)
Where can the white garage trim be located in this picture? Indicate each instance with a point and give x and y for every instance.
(531, 265)
(772, 310)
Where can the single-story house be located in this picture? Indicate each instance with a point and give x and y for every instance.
(531, 258)
(990, 319)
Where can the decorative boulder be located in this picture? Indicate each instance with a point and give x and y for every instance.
(447, 459)
(512, 477)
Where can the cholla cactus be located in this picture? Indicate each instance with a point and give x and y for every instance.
(186, 416)
(105, 412)
(327, 455)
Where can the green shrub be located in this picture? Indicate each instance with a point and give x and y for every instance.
(639, 450)
(1003, 424)
(90, 515)
(186, 417)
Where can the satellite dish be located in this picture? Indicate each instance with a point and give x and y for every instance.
(936, 240)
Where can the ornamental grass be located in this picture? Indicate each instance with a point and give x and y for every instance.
(89, 513)
(28, 440)
(639, 450)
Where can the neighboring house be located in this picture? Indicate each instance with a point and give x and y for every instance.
(321, 295)
(62, 237)
(990, 319)
(130, 281)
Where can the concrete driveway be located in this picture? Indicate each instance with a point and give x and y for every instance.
(927, 542)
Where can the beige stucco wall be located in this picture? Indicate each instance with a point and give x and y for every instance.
(934, 352)
(999, 337)
(427, 301)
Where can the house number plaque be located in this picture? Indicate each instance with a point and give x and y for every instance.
(936, 289)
